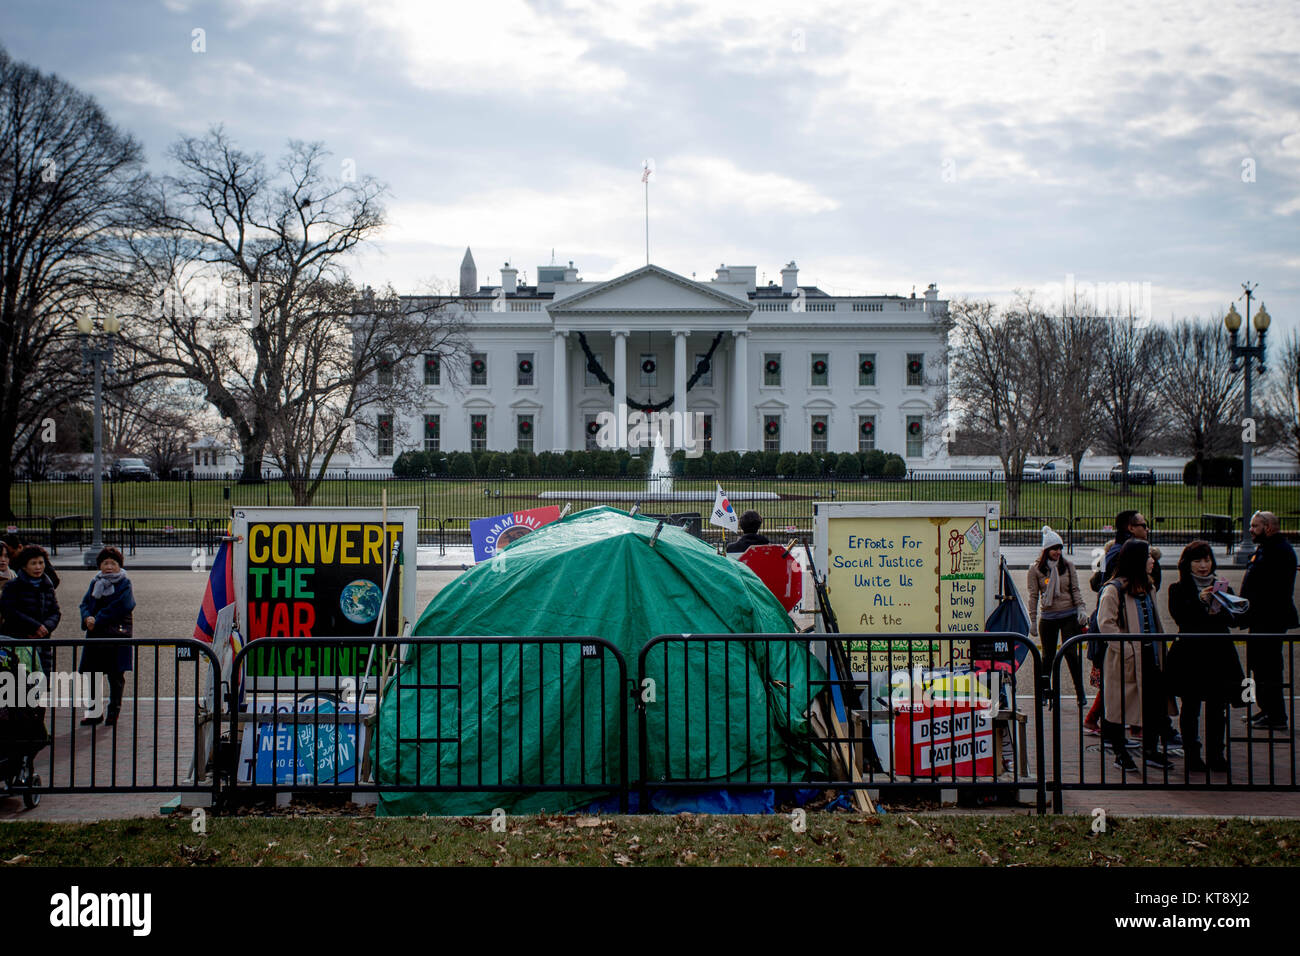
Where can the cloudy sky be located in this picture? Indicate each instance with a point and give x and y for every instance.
(985, 147)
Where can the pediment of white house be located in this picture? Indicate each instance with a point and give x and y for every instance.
(650, 289)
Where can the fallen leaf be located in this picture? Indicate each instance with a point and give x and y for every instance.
(621, 859)
(20, 858)
(588, 821)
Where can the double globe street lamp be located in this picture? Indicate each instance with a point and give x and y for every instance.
(1243, 356)
(97, 357)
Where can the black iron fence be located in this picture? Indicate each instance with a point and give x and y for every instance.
(1219, 740)
(470, 724)
(866, 715)
(64, 730)
(192, 513)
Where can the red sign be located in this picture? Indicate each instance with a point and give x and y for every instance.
(782, 574)
(943, 741)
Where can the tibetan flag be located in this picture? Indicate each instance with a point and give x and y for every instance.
(646, 169)
(219, 592)
(723, 514)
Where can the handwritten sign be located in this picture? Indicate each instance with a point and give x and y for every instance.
(908, 568)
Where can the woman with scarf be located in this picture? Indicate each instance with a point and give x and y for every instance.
(1130, 676)
(1203, 669)
(1054, 584)
(106, 613)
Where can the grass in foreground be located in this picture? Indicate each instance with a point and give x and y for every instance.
(898, 839)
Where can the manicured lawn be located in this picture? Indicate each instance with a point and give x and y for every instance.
(1172, 506)
(829, 839)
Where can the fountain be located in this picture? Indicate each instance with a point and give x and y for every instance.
(660, 482)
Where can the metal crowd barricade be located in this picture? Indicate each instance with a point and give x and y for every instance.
(1256, 759)
(305, 733)
(837, 727)
(152, 746)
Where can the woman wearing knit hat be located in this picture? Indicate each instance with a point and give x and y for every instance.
(1054, 596)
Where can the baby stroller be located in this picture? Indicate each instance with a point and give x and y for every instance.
(22, 728)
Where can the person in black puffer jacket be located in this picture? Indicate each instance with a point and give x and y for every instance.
(28, 605)
(1202, 669)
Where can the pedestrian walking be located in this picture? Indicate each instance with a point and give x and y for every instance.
(28, 604)
(1269, 586)
(1055, 598)
(1202, 669)
(106, 613)
(1130, 675)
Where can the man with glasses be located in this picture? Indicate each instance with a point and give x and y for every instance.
(1130, 524)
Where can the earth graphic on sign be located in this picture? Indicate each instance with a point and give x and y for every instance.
(360, 601)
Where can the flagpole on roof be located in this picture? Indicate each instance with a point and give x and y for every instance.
(646, 169)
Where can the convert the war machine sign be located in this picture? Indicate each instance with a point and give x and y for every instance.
(908, 568)
(309, 572)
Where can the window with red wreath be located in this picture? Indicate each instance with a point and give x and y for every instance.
(867, 369)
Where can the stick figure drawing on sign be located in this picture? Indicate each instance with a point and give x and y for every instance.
(955, 542)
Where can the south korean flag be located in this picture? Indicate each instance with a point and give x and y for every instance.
(724, 516)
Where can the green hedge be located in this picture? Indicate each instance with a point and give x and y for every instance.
(843, 466)
(1222, 471)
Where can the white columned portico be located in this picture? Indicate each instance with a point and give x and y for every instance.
(560, 394)
(620, 386)
(679, 382)
(739, 412)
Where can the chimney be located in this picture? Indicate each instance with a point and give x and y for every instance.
(571, 274)
(724, 274)
(468, 274)
(508, 279)
(790, 279)
(932, 293)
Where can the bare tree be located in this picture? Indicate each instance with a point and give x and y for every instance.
(361, 356)
(1199, 389)
(1130, 366)
(278, 240)
(1074, 341)
(70, 183)
(1283, 395)
(998, 384)
(253, 303)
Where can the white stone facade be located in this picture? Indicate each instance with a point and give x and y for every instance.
(656, 316)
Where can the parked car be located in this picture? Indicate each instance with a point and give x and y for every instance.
(1039, 471)
(132, 469)
(1137, 475)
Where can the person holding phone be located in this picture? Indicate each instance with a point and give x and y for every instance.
(1203, 669)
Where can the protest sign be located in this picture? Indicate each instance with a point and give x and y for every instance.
(907, 568)
(490, 535)
(319, 572)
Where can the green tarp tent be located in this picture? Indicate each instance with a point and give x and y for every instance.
(528, 715)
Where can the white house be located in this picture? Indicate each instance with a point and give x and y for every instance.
(778, 367)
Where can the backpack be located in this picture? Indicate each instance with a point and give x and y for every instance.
(1097, 648)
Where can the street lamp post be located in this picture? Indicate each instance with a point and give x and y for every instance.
(1243, 357)
(97, 357)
